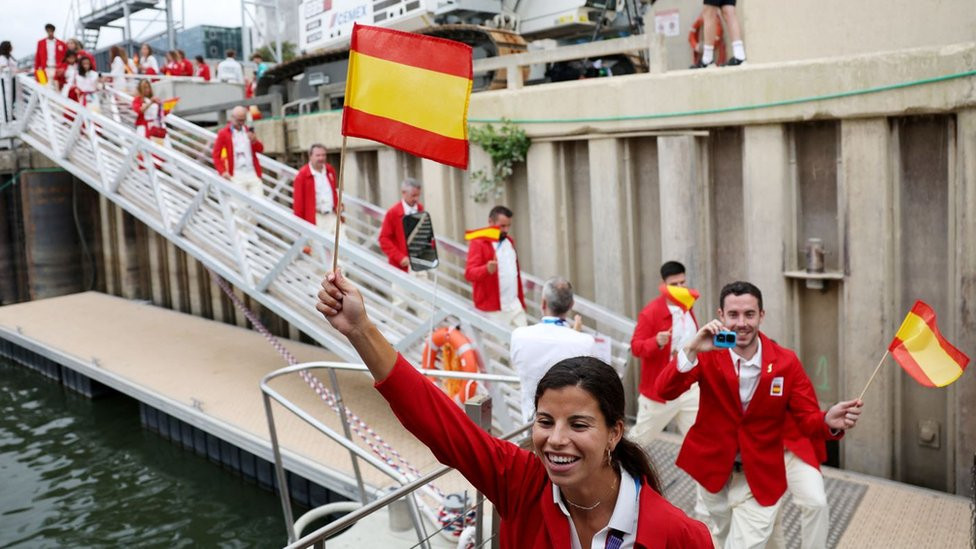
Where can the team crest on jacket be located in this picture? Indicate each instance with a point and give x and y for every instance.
(776, 389)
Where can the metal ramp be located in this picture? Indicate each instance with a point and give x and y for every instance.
(257, 243)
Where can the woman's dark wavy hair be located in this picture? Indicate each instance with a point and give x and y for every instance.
(600, 380)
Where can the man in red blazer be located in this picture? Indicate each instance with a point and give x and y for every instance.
(662, 329)
(315, 198)
(493, 271)
(235, 153)
(735, 448)
(393, 241)
(49, 54)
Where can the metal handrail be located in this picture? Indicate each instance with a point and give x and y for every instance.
(355, 451)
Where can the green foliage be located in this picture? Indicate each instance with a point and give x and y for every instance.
(288, 51)
(505, 147)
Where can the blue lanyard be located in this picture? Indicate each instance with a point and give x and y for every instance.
(615, 538)
(553, 320)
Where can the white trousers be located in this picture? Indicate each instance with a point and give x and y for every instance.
(250, 182)
(513, 315)
(738, 520)
(653, 416)
(806, 484)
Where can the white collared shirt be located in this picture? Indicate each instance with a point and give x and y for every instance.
(51, 44)
(242, 150)
(746, 370)
(408, 209)
(229, 70)
(507, 275)
(623, 519)
(534, 349)
(683, 327)
(323, 190)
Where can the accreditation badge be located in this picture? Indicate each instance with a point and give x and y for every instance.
(776, 389)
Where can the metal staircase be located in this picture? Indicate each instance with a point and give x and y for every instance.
(257, 243)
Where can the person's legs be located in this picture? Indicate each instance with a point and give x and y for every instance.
(807, 486)
(735, 34)
(719, 512)
(710, 19)
(652, 418)
(751, 525)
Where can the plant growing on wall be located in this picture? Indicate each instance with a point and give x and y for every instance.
(505, 146)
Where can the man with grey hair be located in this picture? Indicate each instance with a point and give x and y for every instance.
(235, 153)
(534, 349)
(393, 241)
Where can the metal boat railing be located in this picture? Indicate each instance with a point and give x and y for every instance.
(407, 485)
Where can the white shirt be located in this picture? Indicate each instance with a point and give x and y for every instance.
(323, 190)
(747, 371)
(87, 83)
(242, 150)
(623, 519)
(229, 70)
(149, 63)
(8, 66)
(51, 44)
(534, 349)
(507, 275)
(408, 209)
(683, 327)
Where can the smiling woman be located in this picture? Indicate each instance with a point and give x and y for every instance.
(584, 485)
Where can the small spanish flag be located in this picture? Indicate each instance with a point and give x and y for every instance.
(170, 104)
(41, 76)
(494, 233)
(679, 295)
(409, 91)
(920, 349)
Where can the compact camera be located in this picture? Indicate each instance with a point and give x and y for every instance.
(724, 339)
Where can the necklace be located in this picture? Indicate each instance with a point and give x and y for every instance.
(613, 486)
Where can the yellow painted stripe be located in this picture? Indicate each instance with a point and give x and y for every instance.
(919, 340)
(422, 98)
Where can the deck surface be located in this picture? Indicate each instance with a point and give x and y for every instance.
(208, 372)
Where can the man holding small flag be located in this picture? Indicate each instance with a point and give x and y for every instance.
(735, 448)
(663, 327)
(493, 270)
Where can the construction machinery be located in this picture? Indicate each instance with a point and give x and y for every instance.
(491, 28)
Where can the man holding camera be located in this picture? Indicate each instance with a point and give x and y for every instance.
(735, 448)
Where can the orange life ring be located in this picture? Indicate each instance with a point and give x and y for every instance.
(457, 355)
(698, 27)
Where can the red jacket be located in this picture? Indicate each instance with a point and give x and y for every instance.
(812, 451)
(654, 318)
(203, 71)
(224, 161)
(513, 479)
(186, 67)
(722, 428)
(40, 57)
(484, 285)
(303, 193)
(393, 241)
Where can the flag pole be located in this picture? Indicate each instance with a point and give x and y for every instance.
(876, 370)
(342, 171)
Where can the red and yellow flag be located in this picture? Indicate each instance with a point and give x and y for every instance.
(41, 76)
(679, 295)
(170, 104)
(920, 349)
(409, 91)
(493, 233)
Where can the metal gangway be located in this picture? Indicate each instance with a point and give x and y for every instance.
(259, 246)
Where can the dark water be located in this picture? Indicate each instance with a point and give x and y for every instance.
(81, 473)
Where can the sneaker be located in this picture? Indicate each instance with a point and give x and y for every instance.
(700, 65)
(734, 62)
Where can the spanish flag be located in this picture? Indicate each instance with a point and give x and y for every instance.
(493, 233)
(170, 104)
(679, 295)
(920, 349)
(410, 92)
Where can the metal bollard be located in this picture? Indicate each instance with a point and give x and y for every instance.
(400, 519)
